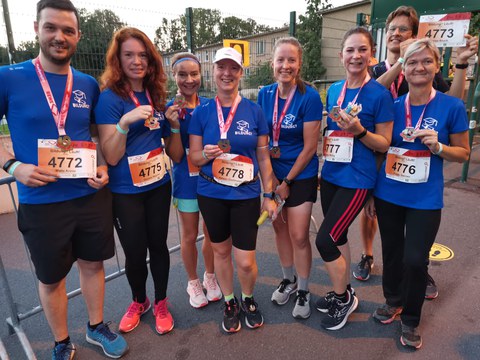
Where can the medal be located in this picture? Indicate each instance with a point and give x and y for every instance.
(180, 101)
(151, 123)
(64, 142)
(353, 109)
(275, 152)
(224, 145)
(335, 113)
(408, 134)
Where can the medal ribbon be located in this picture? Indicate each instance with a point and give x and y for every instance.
(394, 90)
(183, 111)
(344, 91)
(408, 110)
(135, 99)
(276, 122)
(222, 124)
(59, 117)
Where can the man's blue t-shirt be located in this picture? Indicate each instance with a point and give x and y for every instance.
(29, 117)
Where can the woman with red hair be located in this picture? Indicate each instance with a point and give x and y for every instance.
(132, 123)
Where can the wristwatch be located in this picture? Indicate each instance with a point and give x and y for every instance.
(270, 195)
(288, 182)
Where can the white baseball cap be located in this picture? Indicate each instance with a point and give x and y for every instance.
(228, 53)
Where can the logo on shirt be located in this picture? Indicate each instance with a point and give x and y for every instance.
(80, 100)
(242, 128)
(429, 123)
(288, 122)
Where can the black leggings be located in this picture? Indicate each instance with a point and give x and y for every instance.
(340, 208)
(141, 221)
(407, 235)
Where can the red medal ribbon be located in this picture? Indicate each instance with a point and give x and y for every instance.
(59, 117)
(135, 99)
(344, 91)
(394, 90)
(408, 110)
(222, 124)
(183, 111)
(276, 122)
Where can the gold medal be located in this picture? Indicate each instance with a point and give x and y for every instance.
(64, 142)
(151, 123)
(408, 134)
(275, 152)
(224, 145)
(180, 101)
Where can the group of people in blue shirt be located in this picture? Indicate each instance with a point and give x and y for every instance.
(233, 160)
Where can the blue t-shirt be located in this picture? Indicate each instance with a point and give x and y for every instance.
(184, 185)
(303, 108)
(445, 114)
(23, 102)
(140, 139)
(377, 107)
(247, 125)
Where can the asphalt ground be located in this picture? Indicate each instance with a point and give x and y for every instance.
(450, 324)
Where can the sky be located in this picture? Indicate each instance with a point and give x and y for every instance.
(142, 14)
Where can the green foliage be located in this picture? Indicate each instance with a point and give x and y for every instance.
(260, 75)
(208, 28)
(475, 24)
(309, 33)
(97, 30)
(4, 58)
(26, 50)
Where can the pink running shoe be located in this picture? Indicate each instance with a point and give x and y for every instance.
(163, 319)
(211, 285)
(131, 319)
(197, 297)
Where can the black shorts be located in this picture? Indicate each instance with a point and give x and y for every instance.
(302, 191)
(235, 218)
(57, 234)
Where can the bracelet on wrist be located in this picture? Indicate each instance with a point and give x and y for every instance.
(205, 155)
(287, 181)
(440, 149)
(120, 130)
(9, 163)
(13, 167)
(270, 195)
(401, 60)
(362, 134)
(175, 131)
(461, 66)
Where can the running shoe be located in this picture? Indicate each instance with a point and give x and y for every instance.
(231, 321)
(302, 305)
(431, 292)
(339, 312)
(364, 268)
(386, 313)
(211, 285)
(411, 337)
(197, 296)
(113, 345)
(163, 319)
(131, 319)
(282, 294)
(253, 316)
(64, 351)
(324, 303)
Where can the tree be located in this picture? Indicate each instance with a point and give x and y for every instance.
(261, 75)
(26, 50)
(309, 34)
(208, 28)
(4, 58)
(97, 29)
(475, 24)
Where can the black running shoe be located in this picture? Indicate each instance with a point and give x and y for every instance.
(253, 316)
(338, 313)
(231, 321)
(324, 303)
